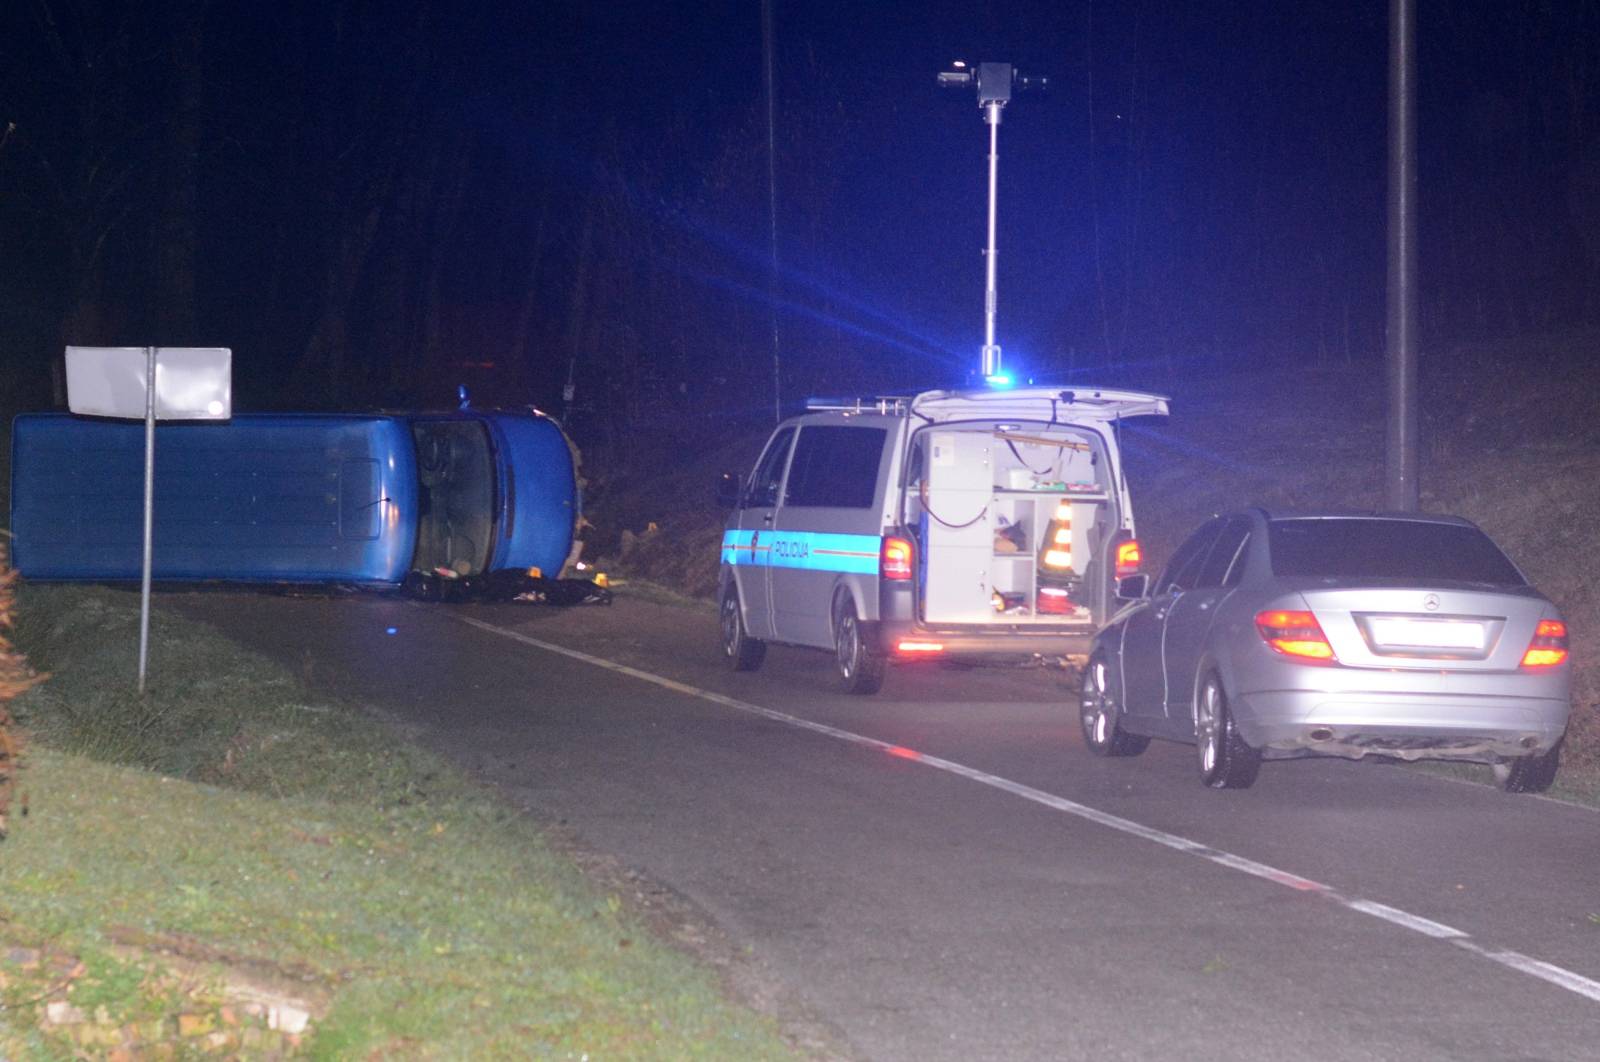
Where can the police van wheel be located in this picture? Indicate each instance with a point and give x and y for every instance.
(861, 665)
(744, 653)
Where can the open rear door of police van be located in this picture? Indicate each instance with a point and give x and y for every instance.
(1020, 505)
(1048, 404)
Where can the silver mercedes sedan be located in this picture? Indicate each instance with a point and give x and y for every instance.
(1276, 635)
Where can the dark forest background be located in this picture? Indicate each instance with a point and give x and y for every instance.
(373, 202)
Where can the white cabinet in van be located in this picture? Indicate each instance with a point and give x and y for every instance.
(983, 526)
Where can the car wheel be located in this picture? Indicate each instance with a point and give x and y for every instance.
(861, 666)
(1226, 762)
(744, 653)
(1530, 774)
(1100, 715)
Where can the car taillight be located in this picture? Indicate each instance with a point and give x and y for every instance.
(1549, 645)
(1128, 557)
(894, 560)
(1296, 634)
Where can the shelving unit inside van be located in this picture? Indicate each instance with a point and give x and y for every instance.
(1011, 525)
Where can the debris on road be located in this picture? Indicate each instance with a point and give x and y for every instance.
(509, 584)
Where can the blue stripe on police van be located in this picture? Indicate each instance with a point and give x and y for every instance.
(816, 550)
(738, 547)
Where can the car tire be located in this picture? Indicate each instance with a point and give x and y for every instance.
(1100, 716)
(1530, 774)
(861, 666)
(743, 652)
(1226, 762)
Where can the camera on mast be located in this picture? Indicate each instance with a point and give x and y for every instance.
(996, 83)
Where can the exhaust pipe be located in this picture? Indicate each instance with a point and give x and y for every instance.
(1321, 733)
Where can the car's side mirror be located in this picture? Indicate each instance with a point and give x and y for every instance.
(1133, 587)
(728, 490)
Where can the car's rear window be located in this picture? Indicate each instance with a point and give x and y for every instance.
(1366, 547)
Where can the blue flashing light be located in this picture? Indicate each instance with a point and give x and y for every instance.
(392, 630)
(1000, 380)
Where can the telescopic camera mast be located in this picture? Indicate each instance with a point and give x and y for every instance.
(995, 83)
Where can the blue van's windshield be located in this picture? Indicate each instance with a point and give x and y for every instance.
(456, 473)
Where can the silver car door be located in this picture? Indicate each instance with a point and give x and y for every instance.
(1189, 620)
(1143, 677)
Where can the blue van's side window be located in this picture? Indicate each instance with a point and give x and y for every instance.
(835, 467)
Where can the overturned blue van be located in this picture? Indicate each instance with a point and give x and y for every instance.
(294, 498)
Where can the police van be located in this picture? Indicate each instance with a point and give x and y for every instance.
(982, 526)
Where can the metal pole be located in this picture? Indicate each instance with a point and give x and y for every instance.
(991, 298)
(149, 507)
(772, 206)
(1401, 325)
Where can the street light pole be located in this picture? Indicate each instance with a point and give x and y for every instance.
(1400, 329)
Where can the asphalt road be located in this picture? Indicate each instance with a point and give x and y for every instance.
(943, 872)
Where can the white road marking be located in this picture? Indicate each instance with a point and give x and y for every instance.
(1416, 923)
(1544, 971)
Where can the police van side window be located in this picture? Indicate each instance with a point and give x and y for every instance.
(835, 466)
(763, 490)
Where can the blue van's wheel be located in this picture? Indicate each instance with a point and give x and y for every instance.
(861, 665)
(744, 653)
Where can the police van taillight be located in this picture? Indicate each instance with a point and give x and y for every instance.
(895, 558)
(1128, 557)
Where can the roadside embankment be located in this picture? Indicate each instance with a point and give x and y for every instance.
(227, 868)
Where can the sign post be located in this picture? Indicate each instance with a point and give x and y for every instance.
(166, 383)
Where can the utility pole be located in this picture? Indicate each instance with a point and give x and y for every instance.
(772, 205)
(1400, 330)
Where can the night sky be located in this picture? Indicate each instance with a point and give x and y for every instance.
(373, 202)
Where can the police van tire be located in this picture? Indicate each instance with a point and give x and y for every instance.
(861, 665)
(743, 652)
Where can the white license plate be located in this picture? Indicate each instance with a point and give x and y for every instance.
(1397, 631)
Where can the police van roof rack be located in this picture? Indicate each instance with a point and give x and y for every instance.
(886, 404)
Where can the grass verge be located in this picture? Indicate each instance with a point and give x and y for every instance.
(225, 868)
